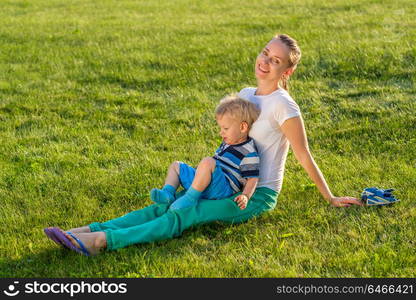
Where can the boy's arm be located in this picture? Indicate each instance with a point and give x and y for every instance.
(248, 191)
(250, 169)
(250, 186)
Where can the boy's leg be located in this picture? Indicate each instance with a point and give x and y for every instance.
(172, 178)
(200, 182)
(166, 195)
(203, 174)
(220, 187)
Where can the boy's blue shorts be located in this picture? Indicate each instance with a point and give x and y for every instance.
(219, 187)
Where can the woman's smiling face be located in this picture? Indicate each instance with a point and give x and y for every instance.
(273, 61)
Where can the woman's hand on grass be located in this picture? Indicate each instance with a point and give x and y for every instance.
(345, 201)
(242, 201)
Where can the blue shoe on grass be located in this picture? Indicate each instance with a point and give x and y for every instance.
(375, 196)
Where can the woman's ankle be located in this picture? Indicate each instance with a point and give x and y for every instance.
(100, 241)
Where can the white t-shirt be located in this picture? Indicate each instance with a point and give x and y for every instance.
(271, 143)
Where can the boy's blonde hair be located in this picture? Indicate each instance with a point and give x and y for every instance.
(239, 109)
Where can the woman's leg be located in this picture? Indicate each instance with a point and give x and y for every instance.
(173, 222)
(131, 219)
(94, 238)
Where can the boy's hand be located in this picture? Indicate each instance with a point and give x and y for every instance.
(242, 201)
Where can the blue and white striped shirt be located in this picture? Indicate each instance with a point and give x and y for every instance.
(238, 162)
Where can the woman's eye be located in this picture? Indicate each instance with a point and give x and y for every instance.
(275, 61)
(265, 52)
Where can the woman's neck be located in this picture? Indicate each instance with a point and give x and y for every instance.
(266, 88)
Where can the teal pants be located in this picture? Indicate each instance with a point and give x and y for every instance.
(156, 222)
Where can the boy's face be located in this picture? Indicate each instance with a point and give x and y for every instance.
(232, 131)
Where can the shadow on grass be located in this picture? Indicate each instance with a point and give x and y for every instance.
(171, 257)
(50, 260)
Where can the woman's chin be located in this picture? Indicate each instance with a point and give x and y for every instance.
(260, 75)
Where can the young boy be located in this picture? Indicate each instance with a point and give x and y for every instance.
(233, 168)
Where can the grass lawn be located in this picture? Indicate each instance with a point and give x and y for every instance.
(97, 98)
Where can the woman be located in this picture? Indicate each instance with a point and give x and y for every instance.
(280, 124)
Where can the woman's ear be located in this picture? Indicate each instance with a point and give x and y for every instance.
(289, 71)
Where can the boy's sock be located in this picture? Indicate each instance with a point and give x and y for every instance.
(166, 195)
(190, 199)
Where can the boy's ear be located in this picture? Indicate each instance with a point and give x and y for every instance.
(244, 126)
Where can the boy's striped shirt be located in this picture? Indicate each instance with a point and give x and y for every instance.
(238, 162)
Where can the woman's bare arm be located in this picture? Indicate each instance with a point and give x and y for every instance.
(294, 130)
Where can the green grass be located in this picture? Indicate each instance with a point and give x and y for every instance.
(97, 98)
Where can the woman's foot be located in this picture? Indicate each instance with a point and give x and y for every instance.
(50, 233)
(93, 242)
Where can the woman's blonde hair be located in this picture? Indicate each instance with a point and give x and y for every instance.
(238, 108)
(294, 55)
